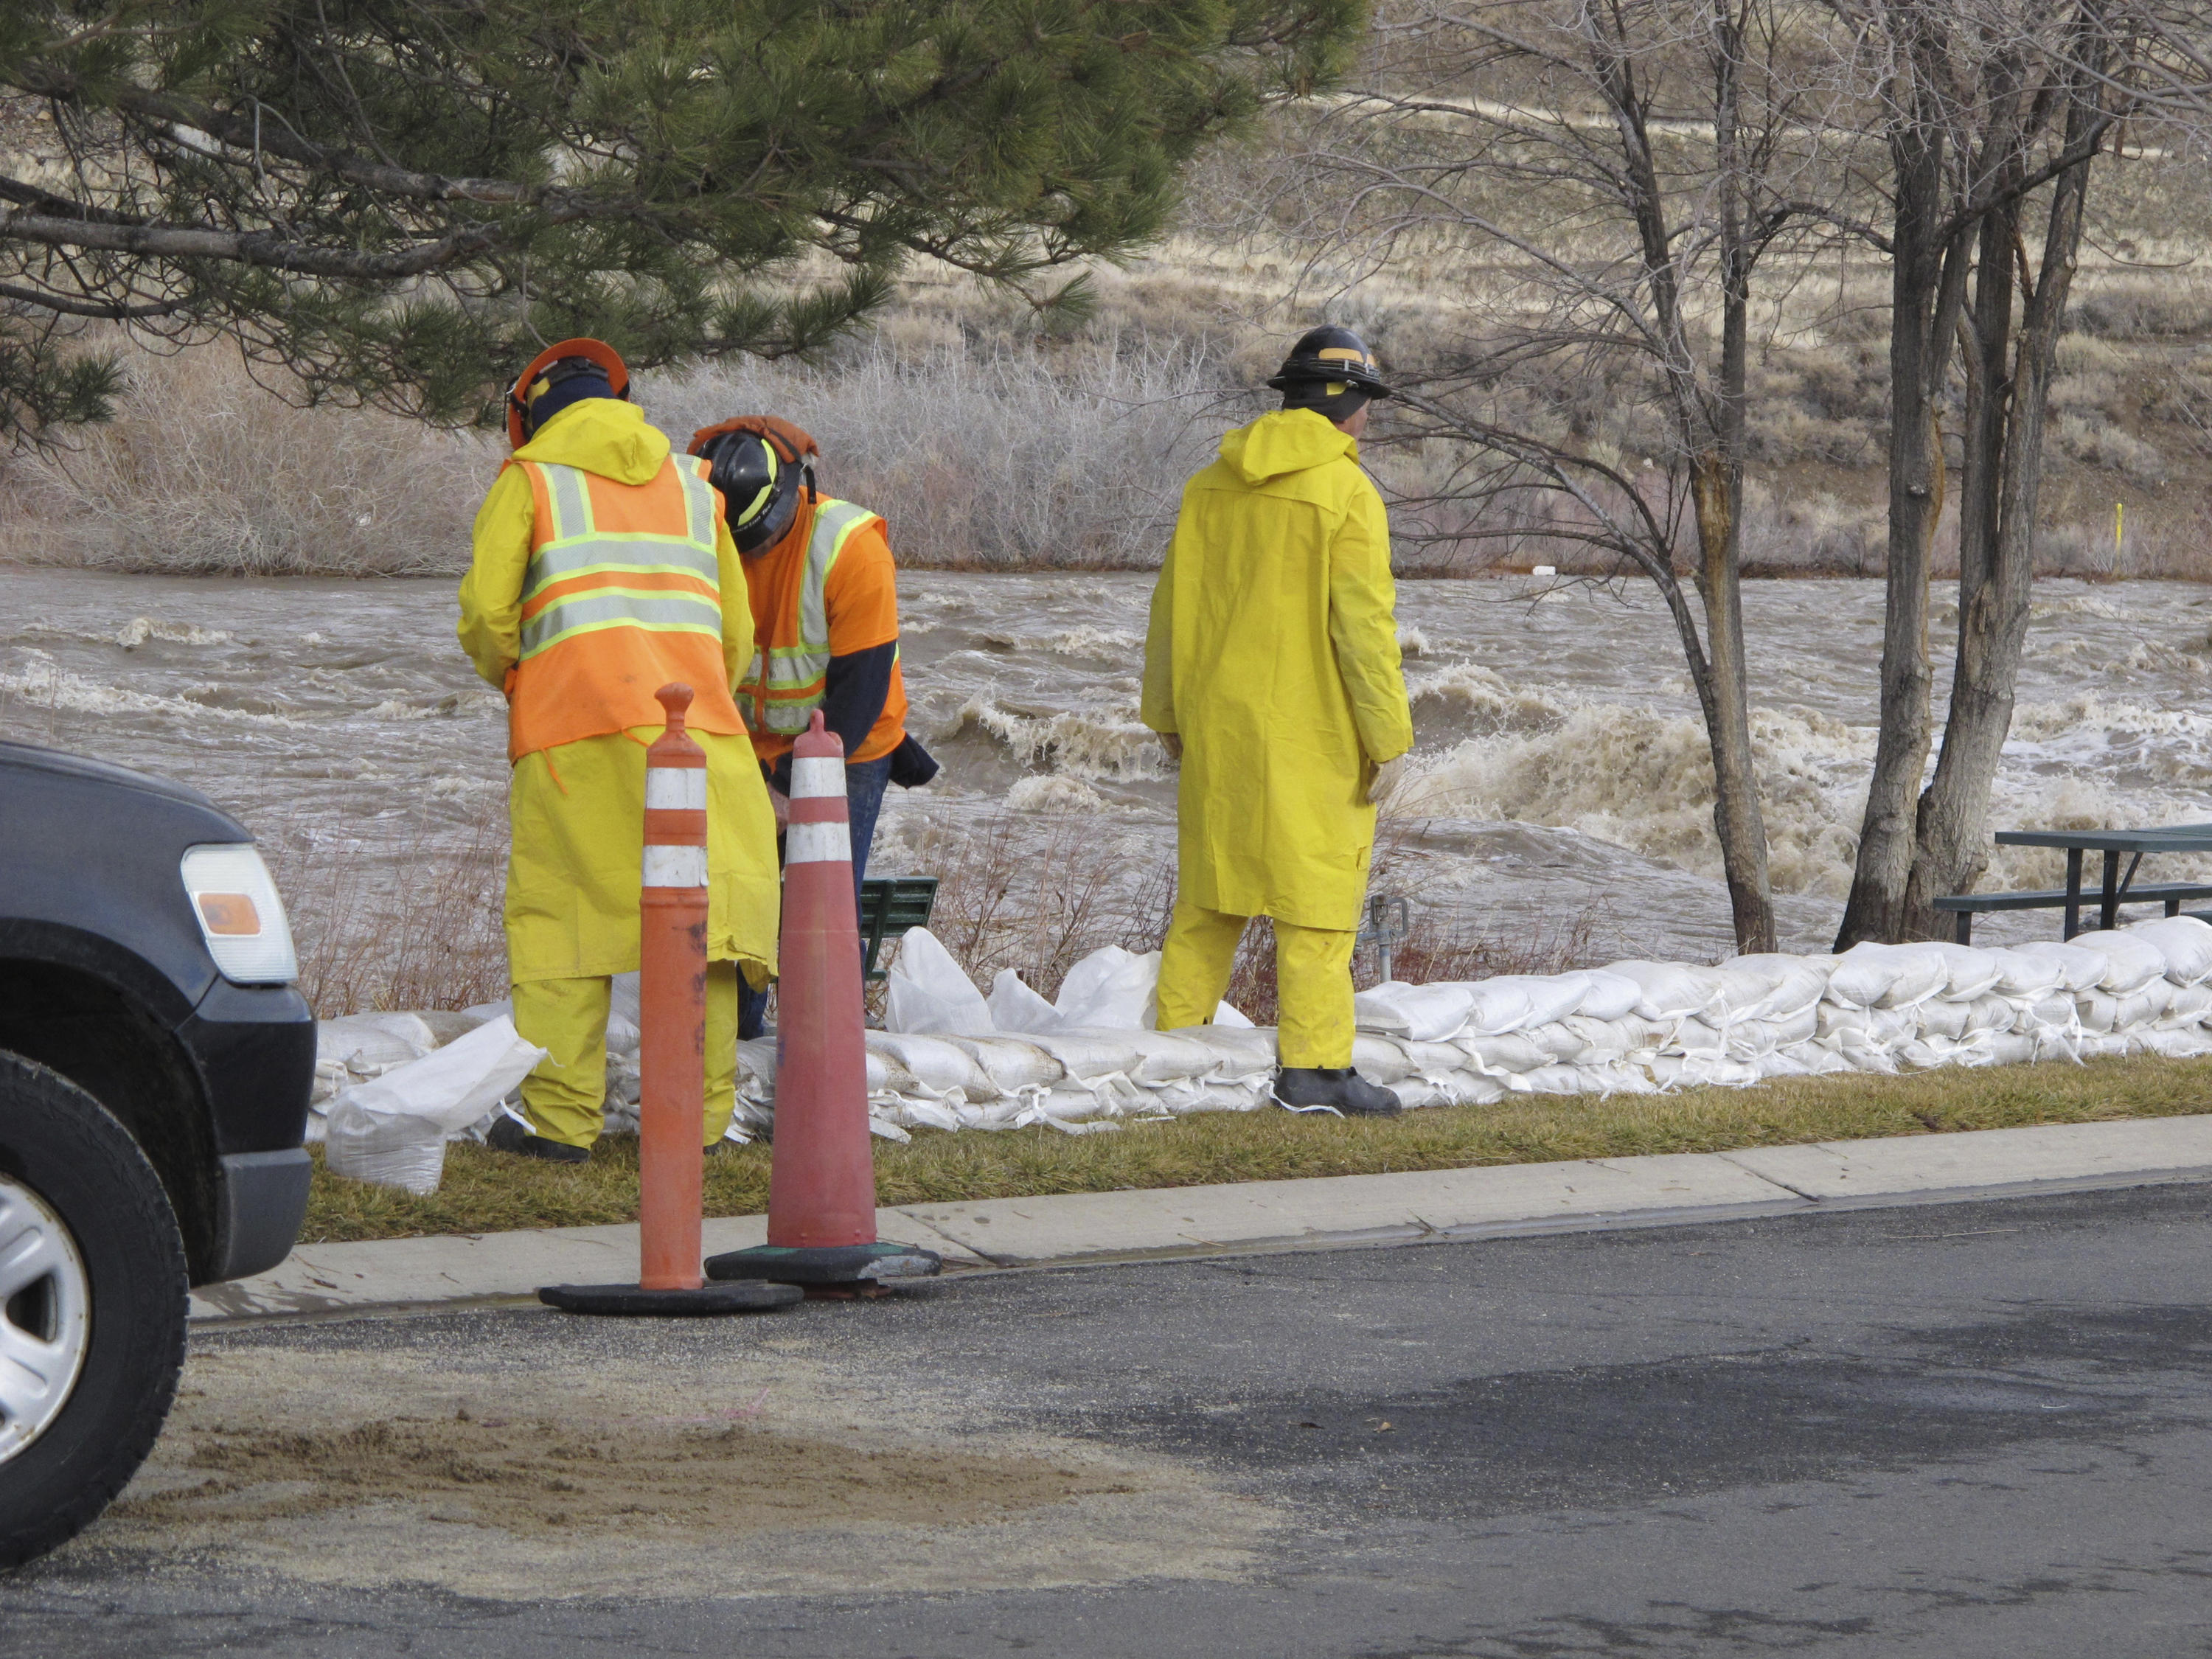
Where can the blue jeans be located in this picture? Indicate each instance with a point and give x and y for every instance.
(865, 782)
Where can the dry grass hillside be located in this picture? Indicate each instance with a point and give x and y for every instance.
(993, 442)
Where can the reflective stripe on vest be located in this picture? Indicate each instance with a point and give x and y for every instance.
(620, 579)
(798, 675)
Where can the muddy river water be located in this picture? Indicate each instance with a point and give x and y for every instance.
(1561, 766)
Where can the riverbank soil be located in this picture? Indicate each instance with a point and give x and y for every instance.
(1951, 1431)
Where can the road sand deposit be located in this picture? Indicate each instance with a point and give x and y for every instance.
(719, 1458)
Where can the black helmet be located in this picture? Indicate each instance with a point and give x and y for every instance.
(1335, 357)
(759, 484)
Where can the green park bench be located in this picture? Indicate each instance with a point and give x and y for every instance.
(890, 908)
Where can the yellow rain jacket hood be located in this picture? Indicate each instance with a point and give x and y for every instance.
(1273, 652)
(577, 809)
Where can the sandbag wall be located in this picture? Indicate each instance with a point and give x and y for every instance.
(1632, 1028)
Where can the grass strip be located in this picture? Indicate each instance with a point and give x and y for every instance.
(489, 1192)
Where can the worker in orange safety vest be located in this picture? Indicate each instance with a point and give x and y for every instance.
(604, 570)
(825, 596)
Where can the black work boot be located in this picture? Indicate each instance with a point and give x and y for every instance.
(507, 1135)
(1307, 1088)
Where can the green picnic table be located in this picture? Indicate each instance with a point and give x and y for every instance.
(2119, 887)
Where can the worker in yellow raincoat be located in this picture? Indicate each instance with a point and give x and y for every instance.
(604, 571)
(1272, 673)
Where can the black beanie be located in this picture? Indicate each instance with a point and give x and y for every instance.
(571, 380)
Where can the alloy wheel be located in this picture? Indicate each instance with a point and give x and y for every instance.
(45, 1317)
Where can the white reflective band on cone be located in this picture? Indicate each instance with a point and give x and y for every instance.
(817, 776)
(675, 788)
(676, 866)
(818, 843)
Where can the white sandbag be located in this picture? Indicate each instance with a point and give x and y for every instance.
(454, 1086)
(623, 1036)
(2190, 1004)
(2184, 942)
(930, 992)
(1870, 975)
(2095, 1011)
(1945, 1018)
(1506, 1053)
(2027, 974)
(2078, 969)
(1012, 1064)
(1416, 1094)
(1786, 985)
(1696, 1035)
(1427, 1013)
(381, 1039)
(2131, 963)
(1233, 1017)
(1607, 995)
(2144, 1006)
(2008, 1048)
(1111, 989)
(937, 1065)
(1494, 1007)
(1669, 990)
(756, 1069)
(1464, 1088)
(1238, 1051)
(1432, 1060)
(1015, 1007)
(1091, 1055)
(1970, 971)
(392, 1129)
(390, 1149)
(1551, 997)
(1560, 1041)
(886, 1076)
(1615, 1077)
(1551, 1080)
(2187, 1043)
(1379, 1059)
(1166, 1057)
(1606, 1039)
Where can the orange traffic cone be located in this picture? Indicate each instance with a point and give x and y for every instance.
(673, 1051)
(821, 1184)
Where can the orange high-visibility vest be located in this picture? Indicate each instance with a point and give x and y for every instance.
(789, 674)
(622, 595)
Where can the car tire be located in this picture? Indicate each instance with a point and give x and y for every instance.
(107, 1318)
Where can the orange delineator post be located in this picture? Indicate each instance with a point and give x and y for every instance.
(673, 1005)
(822, 1182)
(672, 1051)
(821, 1186)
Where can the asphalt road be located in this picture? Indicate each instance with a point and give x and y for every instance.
(1961, 1431)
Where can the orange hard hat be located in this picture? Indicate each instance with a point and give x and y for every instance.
(596, 351)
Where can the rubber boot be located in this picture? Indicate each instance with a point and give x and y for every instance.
(1304, 1089)
(508, 1136)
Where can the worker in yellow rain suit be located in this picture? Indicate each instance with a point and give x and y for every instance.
(604, 571)
(1271, 672)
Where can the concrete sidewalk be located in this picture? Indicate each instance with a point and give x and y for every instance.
(324, 1279)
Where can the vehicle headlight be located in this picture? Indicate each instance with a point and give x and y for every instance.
(239, 914)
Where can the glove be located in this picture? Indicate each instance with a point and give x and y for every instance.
(1172, 742)
(1388, 776)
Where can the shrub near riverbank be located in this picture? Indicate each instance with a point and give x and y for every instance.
(487, 1192)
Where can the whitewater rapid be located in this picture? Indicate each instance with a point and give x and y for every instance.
(1562, 778)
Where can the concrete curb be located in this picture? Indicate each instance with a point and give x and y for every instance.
(398, 1275)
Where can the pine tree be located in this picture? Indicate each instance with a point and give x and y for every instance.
(400, 199)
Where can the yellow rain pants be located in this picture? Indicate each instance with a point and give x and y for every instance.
(565, 1097)
(1274, 653)
(1313, 980)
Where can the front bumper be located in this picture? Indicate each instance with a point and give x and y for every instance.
(264, 1200)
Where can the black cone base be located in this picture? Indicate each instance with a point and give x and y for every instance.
(748, 1297)
(825, 1264)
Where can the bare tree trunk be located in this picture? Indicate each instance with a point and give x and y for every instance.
(1996, 578)
(1737, 819)
(1875, 909)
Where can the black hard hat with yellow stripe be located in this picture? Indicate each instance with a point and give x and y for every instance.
(556, 377)
(1337, 358)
